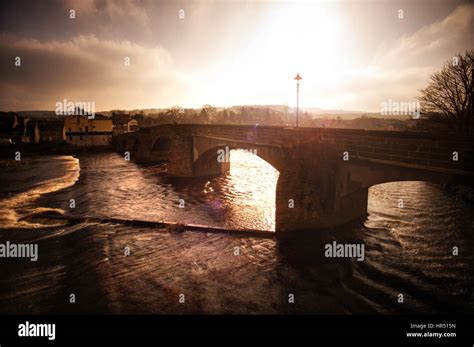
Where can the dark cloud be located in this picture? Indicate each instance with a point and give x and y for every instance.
(84, 68)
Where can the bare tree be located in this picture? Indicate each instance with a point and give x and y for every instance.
(210, 112)
(449, 95)
(175, 114)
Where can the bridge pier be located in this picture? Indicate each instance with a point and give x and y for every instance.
(214, 169)
(180, 158)
(311, 194)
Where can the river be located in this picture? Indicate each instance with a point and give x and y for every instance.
(116, 268)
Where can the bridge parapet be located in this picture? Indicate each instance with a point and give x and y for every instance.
(408, 148)
(398, 147)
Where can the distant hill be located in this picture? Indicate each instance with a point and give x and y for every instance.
(313, 112)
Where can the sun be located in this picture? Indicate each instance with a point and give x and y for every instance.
(290, 38)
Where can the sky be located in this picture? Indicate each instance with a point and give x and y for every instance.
(352, 55)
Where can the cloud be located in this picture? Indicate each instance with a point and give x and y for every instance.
(86, 68)
(402, 67)
(432, 45)
(118, 9)
(87, 62)
(82, 7)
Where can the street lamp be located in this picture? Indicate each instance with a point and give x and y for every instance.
(297, 79)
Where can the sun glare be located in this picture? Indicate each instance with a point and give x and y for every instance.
(291, 38)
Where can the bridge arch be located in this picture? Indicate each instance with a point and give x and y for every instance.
(419, 202)
(216, 159)
(162, 144)
(250, 173)
(135, 145)
(364, 175)
(126, 143)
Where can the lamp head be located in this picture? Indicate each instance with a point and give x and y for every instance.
(298, 78)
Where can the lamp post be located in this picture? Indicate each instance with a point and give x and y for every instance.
(297, 79)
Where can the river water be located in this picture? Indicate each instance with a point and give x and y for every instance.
(115, 268)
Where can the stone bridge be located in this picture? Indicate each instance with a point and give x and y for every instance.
(324, 173)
